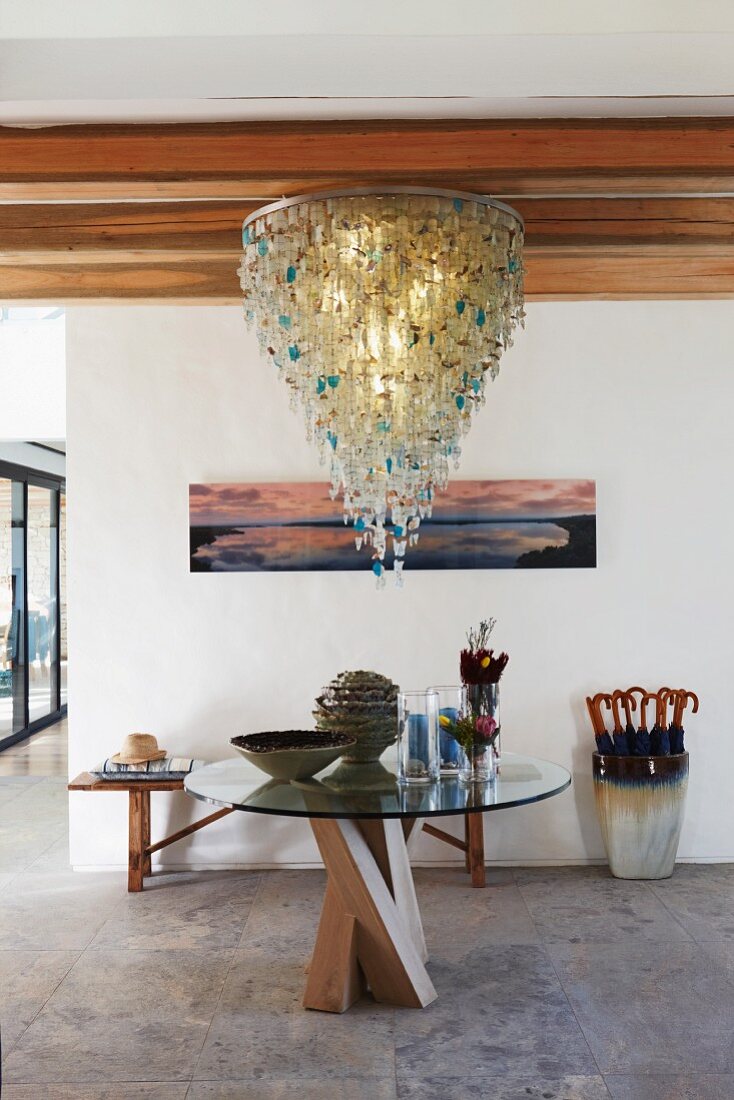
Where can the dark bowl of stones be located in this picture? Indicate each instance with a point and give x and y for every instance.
(292, 754)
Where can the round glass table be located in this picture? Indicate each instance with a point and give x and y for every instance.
(370, 933)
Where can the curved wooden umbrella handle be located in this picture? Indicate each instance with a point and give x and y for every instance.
(661, 696)
(631, 692)
(682, 702)
(628, 702)
(692, 695)
(593, 715)
(666, 695)
(613, 703)
(643, 708)
(602, 697)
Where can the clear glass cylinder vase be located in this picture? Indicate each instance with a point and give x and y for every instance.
(478, 765)
(419, 759)
(452, 704)
(484, 699)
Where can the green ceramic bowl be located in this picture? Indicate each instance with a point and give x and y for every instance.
(292, 754)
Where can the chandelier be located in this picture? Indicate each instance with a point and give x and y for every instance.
(385, 311)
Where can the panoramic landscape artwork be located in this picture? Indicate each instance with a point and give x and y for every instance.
(295, 526)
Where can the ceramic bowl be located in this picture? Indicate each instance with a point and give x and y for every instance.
(292, 754)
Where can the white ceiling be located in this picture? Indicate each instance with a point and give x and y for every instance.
(182, 59)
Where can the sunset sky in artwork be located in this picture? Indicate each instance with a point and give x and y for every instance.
(287, 502)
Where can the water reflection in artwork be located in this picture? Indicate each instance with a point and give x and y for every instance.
(294, 526)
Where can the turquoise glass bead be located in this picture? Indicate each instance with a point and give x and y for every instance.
(294, 353)
(262, 247)
(460, 307)
(290, 274)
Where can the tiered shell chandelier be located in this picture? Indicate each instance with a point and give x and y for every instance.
(385, 310)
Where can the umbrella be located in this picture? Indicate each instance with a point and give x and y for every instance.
(604, 743)
(629, 703)
(642, 738)
(676, 730)
(620, 736)
(665, 695)
(657, 730)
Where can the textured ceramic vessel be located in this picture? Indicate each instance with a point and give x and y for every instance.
(362, 705)
(282, 755)
(641, 801)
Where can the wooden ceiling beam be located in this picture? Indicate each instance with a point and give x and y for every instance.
(185, 232)
(579, 245)
(267, 159)
(589, 274)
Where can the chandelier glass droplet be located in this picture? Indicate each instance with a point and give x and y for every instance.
(385, 312)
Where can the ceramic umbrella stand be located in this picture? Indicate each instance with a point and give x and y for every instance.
(641, 801)
(641, 779)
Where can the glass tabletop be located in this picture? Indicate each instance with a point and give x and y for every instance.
(371, 790)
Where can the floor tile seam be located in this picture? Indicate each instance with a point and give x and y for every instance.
(362, 1077)
(40, 855)
(546, 952)
(41, 1007)
(669, 911)
(261, 877)
(572, 1010)
(127, 1081)
(41, 950)
(253, 903)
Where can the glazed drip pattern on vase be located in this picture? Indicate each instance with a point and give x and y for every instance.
(385, 314)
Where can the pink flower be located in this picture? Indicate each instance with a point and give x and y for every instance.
(486, 726)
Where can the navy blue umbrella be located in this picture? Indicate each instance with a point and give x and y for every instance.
(604, 743)
(677, 740)
(629, 703)
(659, 732)
(642, 737)
(621, 745)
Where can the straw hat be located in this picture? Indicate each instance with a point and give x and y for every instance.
(138, 748)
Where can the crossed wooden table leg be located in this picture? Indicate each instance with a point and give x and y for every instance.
(370, 933)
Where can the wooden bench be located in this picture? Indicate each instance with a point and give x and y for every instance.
(139, 847)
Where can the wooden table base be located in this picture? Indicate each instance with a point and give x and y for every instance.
(472, 845)
(370, 933)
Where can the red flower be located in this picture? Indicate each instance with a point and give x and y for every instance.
(486, 726)
(481, 666)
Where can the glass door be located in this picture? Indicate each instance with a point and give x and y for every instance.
(13, 717)
(32, 602)
(42, 573)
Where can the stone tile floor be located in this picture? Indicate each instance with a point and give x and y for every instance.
(561, 983)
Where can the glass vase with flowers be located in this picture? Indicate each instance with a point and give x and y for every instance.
(476, 735)
(481, 670)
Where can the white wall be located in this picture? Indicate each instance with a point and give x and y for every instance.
(32, 379)
(637, 395)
